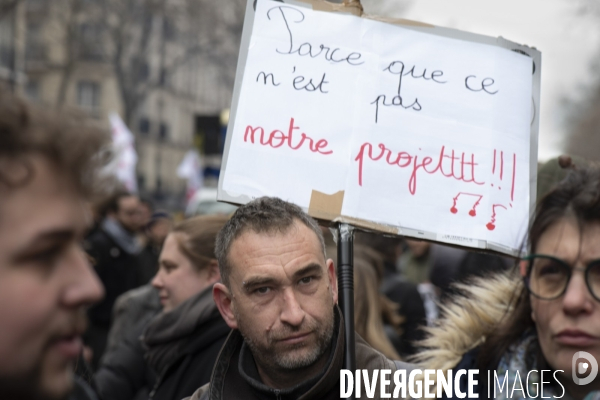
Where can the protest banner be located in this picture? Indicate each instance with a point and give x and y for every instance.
(397, 127)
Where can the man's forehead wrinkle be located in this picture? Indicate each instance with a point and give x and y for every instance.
(294, 250)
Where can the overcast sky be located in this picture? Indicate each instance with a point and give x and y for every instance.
(567, 41)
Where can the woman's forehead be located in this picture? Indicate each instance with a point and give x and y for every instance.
(569, 239)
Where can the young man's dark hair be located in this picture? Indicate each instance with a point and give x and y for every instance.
(49, 165)
(67, 140)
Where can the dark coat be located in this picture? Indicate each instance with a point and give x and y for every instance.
(124, 373)
(235, 377)
(404, 293)
(174, 357)
(133, 308)
(117, 269)
(119, 272)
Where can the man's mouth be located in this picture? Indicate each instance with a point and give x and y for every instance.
(295, 338)
(69, 346)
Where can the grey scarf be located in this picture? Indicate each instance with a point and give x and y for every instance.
(124, 239)
(169, 332)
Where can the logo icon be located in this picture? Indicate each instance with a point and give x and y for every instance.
(582, 368)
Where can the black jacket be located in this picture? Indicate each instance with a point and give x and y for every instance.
(117, 269)
(173, 358)
(407, 296)
(119, 272)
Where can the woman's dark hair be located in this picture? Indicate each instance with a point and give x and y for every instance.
(576, 197)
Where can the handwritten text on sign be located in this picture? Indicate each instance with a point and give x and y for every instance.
(420, 131)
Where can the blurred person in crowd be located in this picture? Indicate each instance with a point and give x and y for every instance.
(155, 232)
(115, 251)
(415, 263)
(141, 303)
(279, 295)
(539, 317)
(451, 265)
(376, 317)
(146, 211)
(48, 172)
(131, 309)
(180, 344)
(434, 268)
(396, 288)
(416, 266)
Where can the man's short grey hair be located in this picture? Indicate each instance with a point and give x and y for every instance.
(262, 215)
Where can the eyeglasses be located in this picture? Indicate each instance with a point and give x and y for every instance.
(548, 277)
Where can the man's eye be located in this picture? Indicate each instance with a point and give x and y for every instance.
(47, 257)
(306, 280)
(262, 290)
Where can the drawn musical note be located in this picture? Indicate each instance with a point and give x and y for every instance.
(472, 211)
(490, 225)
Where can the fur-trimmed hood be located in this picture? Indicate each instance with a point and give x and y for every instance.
(468, 318)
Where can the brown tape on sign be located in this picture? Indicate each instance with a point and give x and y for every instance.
(354, 8)
(325, 206)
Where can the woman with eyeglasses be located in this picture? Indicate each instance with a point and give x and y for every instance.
(538, 326)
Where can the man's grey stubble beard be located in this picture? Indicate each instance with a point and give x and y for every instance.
(271, 358)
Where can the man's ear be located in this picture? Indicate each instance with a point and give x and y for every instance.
(332, 279)
(222, 298)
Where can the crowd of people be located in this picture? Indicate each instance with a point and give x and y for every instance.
(111, 299)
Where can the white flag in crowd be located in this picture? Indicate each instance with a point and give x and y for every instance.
(191, 169)
(125, 157)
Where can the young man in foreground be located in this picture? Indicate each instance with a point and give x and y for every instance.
(48, 165)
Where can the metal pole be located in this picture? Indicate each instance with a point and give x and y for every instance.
(346, 290)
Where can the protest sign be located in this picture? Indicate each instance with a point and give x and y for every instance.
(397, 127)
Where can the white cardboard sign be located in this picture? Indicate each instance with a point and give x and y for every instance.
(412, 130)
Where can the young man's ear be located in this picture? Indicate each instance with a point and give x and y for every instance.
(222, 298)
(331, 273)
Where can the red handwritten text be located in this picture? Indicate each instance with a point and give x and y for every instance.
(278, 138)
(449, 164)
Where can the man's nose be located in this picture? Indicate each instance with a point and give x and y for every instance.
(292, 312)
(577, 298)
(82, 286)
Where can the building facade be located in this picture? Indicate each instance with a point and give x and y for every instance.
(166, 71)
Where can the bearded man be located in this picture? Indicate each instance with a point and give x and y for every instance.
(279, 295)
(48, 165)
